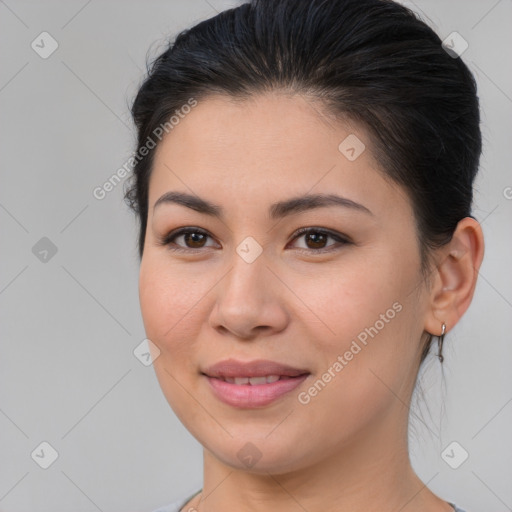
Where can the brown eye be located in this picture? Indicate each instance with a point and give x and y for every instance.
(316, 239)
(192, 239)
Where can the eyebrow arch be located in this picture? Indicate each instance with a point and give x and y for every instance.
(276, 210)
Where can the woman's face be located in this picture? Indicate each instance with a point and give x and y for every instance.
(345, 309)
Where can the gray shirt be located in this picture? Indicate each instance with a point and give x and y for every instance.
(176, 506)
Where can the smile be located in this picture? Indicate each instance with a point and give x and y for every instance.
(254, 381)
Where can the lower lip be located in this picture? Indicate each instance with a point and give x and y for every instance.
(248, 396)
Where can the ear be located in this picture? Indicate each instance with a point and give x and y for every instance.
(455, 276)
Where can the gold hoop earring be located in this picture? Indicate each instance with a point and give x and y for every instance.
(440, 340)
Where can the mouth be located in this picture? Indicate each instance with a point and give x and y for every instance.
(254, 381)
(252, 384)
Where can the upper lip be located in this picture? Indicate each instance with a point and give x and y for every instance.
(256, 368)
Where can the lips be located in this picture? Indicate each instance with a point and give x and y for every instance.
(252, 384)
(233, 369)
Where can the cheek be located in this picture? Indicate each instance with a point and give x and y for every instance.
(170, 300)
(170, 306)
(350, 296)
(367, 313)
(369, 361)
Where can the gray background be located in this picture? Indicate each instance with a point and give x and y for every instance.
(69, 325)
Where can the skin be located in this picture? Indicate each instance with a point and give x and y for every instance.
(347, 448)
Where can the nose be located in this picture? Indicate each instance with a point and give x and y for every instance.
(249, 301)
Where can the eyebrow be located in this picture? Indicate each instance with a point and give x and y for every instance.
(276, 210)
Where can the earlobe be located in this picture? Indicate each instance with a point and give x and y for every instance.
(456, 276)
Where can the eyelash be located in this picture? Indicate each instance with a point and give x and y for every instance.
(167, 240)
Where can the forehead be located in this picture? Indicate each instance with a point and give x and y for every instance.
(263, 125)
(270, 145)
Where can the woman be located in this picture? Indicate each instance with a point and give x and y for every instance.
(303, 185)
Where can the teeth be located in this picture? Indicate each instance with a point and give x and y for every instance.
(253, 381)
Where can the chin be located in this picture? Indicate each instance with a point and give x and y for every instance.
(258, 455)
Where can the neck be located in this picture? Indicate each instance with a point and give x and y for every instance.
(372, 473)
